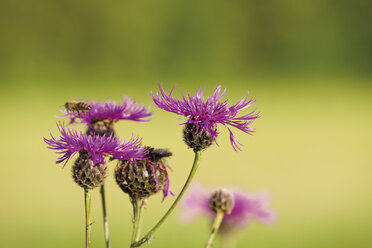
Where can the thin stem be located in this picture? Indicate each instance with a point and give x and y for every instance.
(105, 221)
(87, 218)
(137, 216)
(149, 235)
(139, 220)
(216, 224)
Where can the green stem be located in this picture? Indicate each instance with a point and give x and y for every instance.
(149, 235)
(87, 218)
(216, 224)
(137, 216)
(105, 221)
(142, 204)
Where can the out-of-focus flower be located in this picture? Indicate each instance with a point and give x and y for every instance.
(102, 115)
(221, 200)
(246, 208)
(72, 142)
(143, 178)
(203, 115)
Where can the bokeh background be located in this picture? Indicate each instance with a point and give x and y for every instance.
(308, 64)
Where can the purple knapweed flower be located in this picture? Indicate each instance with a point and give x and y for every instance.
(246, 208)
(109, 110)
(205, 114)
(72, 142)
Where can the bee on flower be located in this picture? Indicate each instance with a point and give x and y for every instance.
(101, 116)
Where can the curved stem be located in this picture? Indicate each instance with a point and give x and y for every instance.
(105, 221)
(137, 214)
(216, 224)
(87, 218)
(149, 235)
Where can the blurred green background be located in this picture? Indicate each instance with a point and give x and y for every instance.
(308, 64)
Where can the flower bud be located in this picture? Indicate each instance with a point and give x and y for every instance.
(196, 138)
(86, 174)
(221, 200)
(141, 179)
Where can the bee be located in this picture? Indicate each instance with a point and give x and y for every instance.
(156, 154)
(77, 106)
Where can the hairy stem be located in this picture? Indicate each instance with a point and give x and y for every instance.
(149, 235)
(87, 218)
(105, 221)
(216, 224)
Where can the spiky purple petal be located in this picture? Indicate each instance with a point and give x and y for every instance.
(71, 142)
(155, 168)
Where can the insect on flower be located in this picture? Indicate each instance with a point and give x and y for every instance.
(127, 110)
(143, 178)
(77, 107)
(156, 154)
(101, 116)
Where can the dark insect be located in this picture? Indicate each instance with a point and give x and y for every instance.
(156, 154)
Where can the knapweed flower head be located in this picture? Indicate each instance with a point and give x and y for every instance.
(143, 178)
(86, 174)
(97, 147)
(112, 112)
(203, 115)
(246, 208)
(221, 200)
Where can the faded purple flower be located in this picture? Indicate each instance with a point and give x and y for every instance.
(159, 168)
(109, 110)
(246, 208)
(71, 142)
(157, 159)
(207, 113)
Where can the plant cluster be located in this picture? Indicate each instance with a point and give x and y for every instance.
(142, 171)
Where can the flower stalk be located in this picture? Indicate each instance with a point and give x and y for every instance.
(149, 235)
(87, 217)
(137, 219)
(105, 220)
(216, 225)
